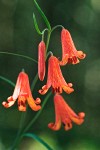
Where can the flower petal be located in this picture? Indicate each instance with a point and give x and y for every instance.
(33, 104)
(9, 103)
(79, 119)
(38, 101)
(68, 126)
(66, 114)
(18, 85)
(55, 126)
(22, 103)
(81, 55)
(68, 89)
(43, 90)
(64, 60)
(57, 80)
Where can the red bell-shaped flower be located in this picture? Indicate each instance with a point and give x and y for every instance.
(22, 92)
(69, 52)
(64, 114)
(55, 78)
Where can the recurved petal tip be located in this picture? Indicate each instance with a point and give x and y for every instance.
(79, 119)
(81, 115)
(68, 89)
(32, 104)
(22, 108)
(68, 126)
(54, 126)
(5, 104)
(9, 102)
(81, 55)
(70, 84)
(43, 90)
(38, 101)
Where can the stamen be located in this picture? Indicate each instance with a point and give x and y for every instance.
(69, 60)
(74, 59)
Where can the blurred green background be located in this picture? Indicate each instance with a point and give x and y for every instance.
(18, 35)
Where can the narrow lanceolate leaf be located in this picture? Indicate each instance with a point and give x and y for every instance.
(35, 137)
(19, 55)
(7, 80)
(43, 15)
(36, 25)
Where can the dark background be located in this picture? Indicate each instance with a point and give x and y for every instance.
(18, 35)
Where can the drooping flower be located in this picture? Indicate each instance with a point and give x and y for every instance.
(65, 115)
(22, 92)
(55, 78)
(41, 60)
(69, 52)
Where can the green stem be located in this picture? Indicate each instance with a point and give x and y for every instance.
(38, 113)
(49, 53)
(22, 121)
(17, 140)
(48, 40)
(57, 26)
(19, 55)
(43, 33)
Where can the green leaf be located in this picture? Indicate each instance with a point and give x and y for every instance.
(19, 55)
(34, 82)
(35, 137)
(43, 15)
(7, 80)
(36, 25)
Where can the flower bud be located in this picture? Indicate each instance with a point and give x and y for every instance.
(41, 60)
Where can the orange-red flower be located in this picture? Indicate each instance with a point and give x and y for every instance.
(64, 114)
(22, 92)
(55, 78)
(69, 52)
(41, 60)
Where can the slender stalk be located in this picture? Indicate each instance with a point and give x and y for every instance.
(57, 26)
(48, 40)
(43, 33)
(38, 113)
